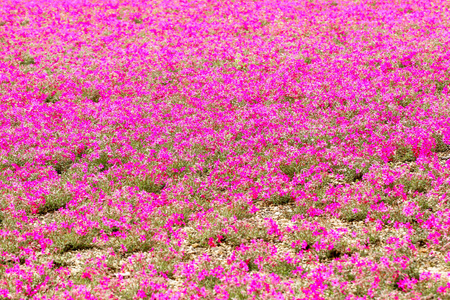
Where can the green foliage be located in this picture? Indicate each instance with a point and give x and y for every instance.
(62, 165)
(238, 293)
(179, 168)
(27, 60)
(404, 102)
(280, 199)
(440, 145)
(71, 241)
(419, 237)
(53, 97)
(348, 215)
(54, 202)
(78, 280)
(238, 210)
(59, 262)
(133, 243)
(232, 238)
(25, 22)
(283, 269)
(340, 248)
(386, 199)
(307, 236)
(129, 293)
(415, 184)
(290, 169)
(238, 136)
(307, 204)
(290, 99)
(166, 267)
(440, 85)
(264, 22)
(9, 245)
(325, 255)
(337, 41)
(374, 239)
(13, 159)
(209, 282)
(349, 277)
(404, 154)
(102, 160)
(150, 186)
(93, 95)
(350, 174)
(252, 266)
(427, 203)
(216, 156)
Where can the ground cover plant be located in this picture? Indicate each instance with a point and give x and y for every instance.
(212, 149)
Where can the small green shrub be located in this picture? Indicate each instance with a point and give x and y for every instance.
(304, 236)
(410, 272)
(25, 22)
(290, 99)
(13, 159)
(330, 254)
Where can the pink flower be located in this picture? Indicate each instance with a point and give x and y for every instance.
(86, 275)
(410, 208)
(219, 239)
(211, 242)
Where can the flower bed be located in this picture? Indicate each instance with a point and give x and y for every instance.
(224, 150)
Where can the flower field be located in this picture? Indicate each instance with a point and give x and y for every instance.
(206, 149)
